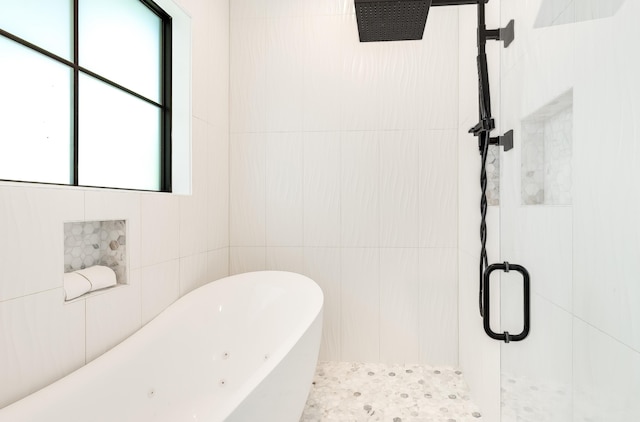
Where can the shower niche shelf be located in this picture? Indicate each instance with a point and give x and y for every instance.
(547, 151)
(89, 243)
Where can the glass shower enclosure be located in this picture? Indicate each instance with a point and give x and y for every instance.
(570, 210)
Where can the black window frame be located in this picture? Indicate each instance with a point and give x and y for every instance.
(165, 69)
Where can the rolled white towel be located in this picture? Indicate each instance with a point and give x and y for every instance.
(99, 276)
(75, 285)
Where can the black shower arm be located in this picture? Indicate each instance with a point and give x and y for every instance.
(454, 2)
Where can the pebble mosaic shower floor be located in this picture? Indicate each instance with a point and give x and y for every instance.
(394, 393)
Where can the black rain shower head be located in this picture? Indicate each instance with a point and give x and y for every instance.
(397, 20)
(391, 20)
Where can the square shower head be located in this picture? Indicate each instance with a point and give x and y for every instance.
(391, 20)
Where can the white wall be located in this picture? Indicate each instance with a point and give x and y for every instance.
(344, 167)
(175, 243)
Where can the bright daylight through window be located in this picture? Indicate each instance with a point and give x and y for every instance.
(85, 93)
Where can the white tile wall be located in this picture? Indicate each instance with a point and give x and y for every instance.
(321, 189)
(106, 328)
(31, 224)
(399, 188)
(322, 93)
(243, 259)
(171, 239)
(606, 377)
(160, 286)
(360, 182)
(438, 318)
(42, 340)
(194, 272)
(284, 75)
(160, 228)
(248, 90)
(438, 189)
(400, 305)
(218, 263)
(323, 266)
(360, 304)
(284, 179)
(218, 188)
(247, 207)
(339, 149)
(285, 259)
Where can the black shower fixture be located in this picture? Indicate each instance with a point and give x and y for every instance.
(401, 20)
(396, 20)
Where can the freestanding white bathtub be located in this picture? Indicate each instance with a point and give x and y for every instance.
(243, 348)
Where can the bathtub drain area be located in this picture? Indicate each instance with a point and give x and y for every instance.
(345, 391)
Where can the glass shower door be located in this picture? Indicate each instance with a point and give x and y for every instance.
(569, 210)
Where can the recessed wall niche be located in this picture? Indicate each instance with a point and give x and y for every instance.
(493, 175)
(89, 243)
(547, 150)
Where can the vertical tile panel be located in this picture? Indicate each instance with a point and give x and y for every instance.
(606, 376)
(439, 306)
(322, 189)
(240, 9)
(284, 73)
(46, 338)
(362, 66)
(322, 103)
(285, 259)
(160, 287)
(438, 189)
(218, 189)
(437, 84)
(248, 70)
(360, 191)
(536, 373)
(193, 272)
(360, 305)
(160, 228)
(201, 63)
(32, 229)
(399, 304)
(245, 259)
(285, 8)
(400, 79)
(218, 264)
(218, 61)
(399, 178)
(248, 189)
(329, 7)
(112, 317)
(284, 189)
(323, 266)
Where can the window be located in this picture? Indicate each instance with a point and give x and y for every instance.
(86, 93)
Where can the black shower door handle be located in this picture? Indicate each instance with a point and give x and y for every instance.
(506, 337)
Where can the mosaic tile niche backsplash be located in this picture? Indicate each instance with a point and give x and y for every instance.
(547, 150)
(89, 243)
(493, 175)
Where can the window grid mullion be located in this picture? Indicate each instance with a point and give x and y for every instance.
(164, 106)
(76, 96)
